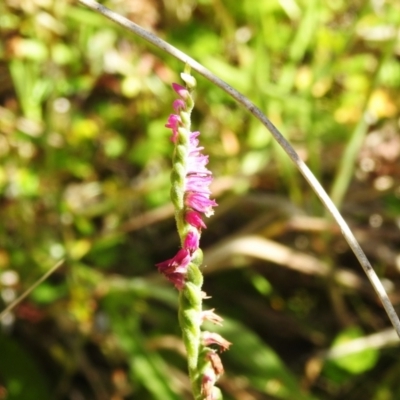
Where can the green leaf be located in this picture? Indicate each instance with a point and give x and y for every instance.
(262, 367)
(151, 369)
(46, 293)
(147, 367)
(20, 373)
(355, 363)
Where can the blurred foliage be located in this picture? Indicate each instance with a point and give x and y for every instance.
(84, 174)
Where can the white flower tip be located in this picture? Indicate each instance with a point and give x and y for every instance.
(189, 80)
(209, 213)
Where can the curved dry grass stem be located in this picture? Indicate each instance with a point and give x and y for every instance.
(301, 166)
(31, 289)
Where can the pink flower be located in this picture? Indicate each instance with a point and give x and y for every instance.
(192, 241)
(178, 263)
(173, 123)
(178, 105)
(207, 384)
(209, 315)
(200, 202)
(194, 142)
(214, 338)
(199, 183)
(194, 218)
(197, 165)
(175, 268)
(195, 181)
(181, 91)
(216, 363)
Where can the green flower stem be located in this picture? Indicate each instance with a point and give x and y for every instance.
(191, 296)
(190, 307)
(178, 174)
(183, 270)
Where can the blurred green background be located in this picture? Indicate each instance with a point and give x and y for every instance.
(84, 175)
